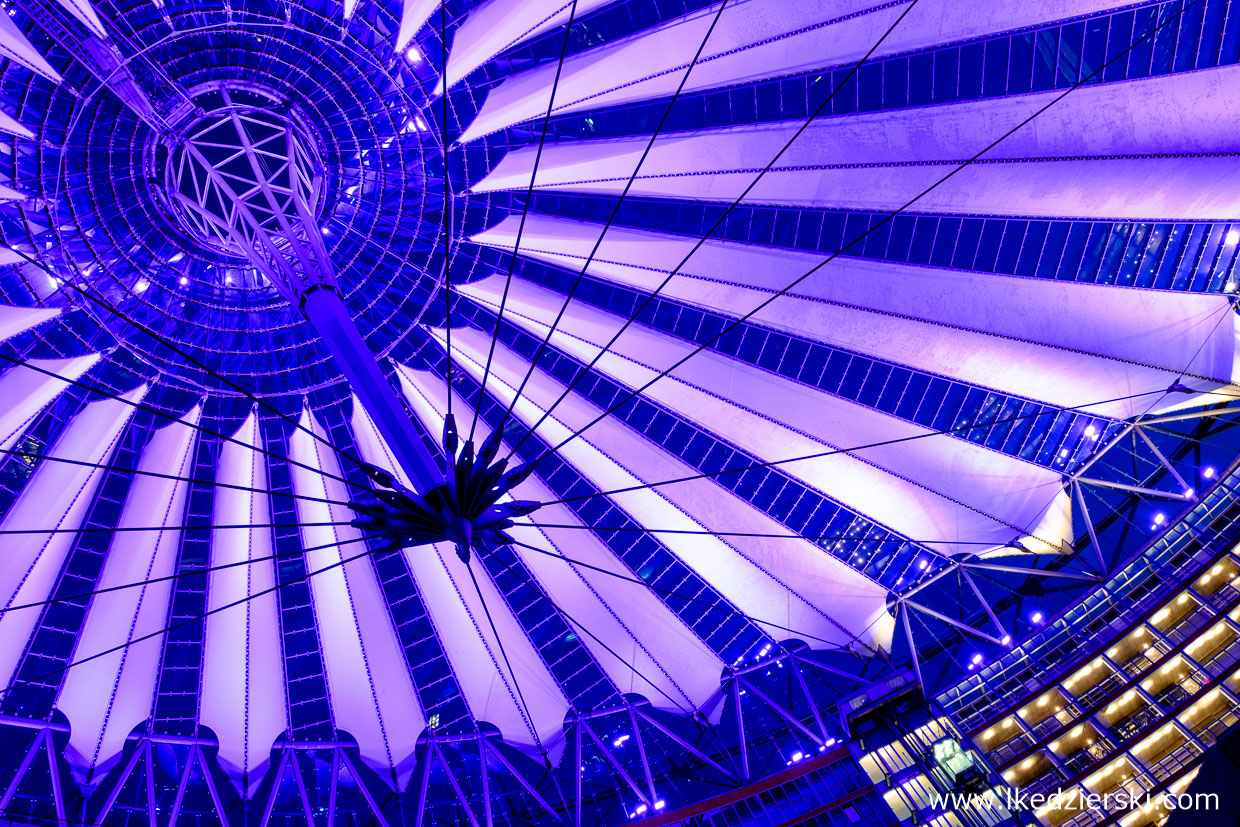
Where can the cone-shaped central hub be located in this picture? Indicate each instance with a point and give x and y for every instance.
(471, 509)
(245, 169)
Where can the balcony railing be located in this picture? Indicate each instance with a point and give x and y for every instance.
(1172, 696)
(1085, 818)
(1100, 690)
(1003, 753)
(1223, 659)
(1221, 598)
(1178, 759)
(1087, 757)
(1210, 735)
(1124, 730)
(1051, 723)
(1140, 663)
(1044, 784)
(1187, 626)
(1205, 532)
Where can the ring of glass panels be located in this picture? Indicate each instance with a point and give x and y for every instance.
(102, 219)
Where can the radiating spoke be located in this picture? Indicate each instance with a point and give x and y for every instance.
(822, 107)
(615, 210)
(31, 455)
(525, 210)
(447, 202)
(180, 574)
(14, 532)
(516, 685)
(602, 529)
(875, 226)
(195, 619)
(687, 598)
(559, 607)
(834, 451)
(171, 417)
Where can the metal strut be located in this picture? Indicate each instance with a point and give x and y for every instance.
(471, 509)
(247, 179)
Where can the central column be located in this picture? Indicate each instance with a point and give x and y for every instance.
(248, 178)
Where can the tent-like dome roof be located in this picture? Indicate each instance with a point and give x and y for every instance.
(827, 340)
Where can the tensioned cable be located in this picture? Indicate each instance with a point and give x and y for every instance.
(1019, 532)
(171, 417)
(770, 165)
(17, 532)
(1228, 310)
(578, 624)
(111, 308)
(672, 593)
(886, 219)
(1108, 560)
(499, 318)
(189, 620)
(833, 452)
(180, 574)
(924, 545)
(448, 207)
(499, 642)
(525, 209)
(1207, 440)
(808, 537)
(812, 537)
(156, 474)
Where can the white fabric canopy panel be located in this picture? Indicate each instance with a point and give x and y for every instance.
(789, 587)
(1068, 162)
(10, 125)
(55, 501)
(1064, 343)
(111, 692)
(640, 643)
(947, 493)
(28, 389)
(495, 26)
(15, 320)
(15, 46)
(243, 697)
(9, 256)
(752, 41)
(527, 707)
(85, 12)
(372, 695)
(413, 16)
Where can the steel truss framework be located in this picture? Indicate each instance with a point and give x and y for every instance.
(1122, 482)
(763, 709)
(765, 712)
(621, 759)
